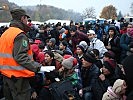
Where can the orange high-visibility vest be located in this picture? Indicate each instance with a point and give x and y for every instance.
(8, 66)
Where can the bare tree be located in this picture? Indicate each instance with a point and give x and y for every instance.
(109, 12)
(89, 13)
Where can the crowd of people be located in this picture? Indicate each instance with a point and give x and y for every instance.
(96, 59)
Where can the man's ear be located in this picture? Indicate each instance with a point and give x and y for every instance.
(22, 18)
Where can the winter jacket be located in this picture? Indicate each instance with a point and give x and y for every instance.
(124, 43)
(97, 44)
(116, 92)
(89, 76)
(110, 95)
(75, 79)
(77, 38)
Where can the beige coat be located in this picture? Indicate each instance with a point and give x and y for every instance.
(114, 93)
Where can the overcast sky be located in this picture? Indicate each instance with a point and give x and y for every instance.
(80, 5)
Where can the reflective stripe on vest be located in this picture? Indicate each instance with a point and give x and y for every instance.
(11, 67)
(8, 66)
(10, 56)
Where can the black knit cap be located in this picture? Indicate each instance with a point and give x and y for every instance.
(89, 58)
(81, 47)
(18, 13)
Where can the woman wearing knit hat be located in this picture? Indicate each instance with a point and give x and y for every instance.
(67, 71)
(106, 78)
(117, 92)
(108, 72)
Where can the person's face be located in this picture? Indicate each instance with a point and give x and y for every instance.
(59, 27)
(79, 51)
(90, 36)
(85, 64)
(105, 71)
(61, 69)
(61, 46)
(64, 24)
(24, 19)
(71, 24)
(77, 26)
(46, 81)
(105, 22)
(96, 27)
(129, 27)
(50, 43)
(48, 29)
(72, 33)
(47, 58)
(105, 58)
(124, 86)
(111, 32)
(81, 28)
(104, 36)
(124, 28)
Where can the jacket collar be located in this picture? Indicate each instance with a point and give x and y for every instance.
(20, 25)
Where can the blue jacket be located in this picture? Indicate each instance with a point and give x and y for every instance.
(124, 42)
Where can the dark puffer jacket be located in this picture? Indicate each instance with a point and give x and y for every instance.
(89, 76)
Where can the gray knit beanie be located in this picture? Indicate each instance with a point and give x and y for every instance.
(68, 63)
(53, 40)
